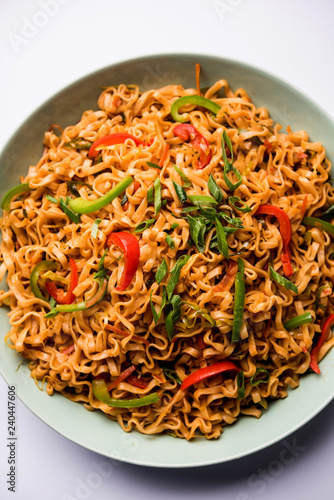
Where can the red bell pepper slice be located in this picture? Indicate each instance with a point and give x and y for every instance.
(59, 294)
(226, 283)
(304, 207)
(200, 342)
(285, 230)
(268, 145)
(114, 329)
(208, 371)
(129, 245)
(198, 71)
(185, 131)
(137, 382)
(110, 140)
(164, 156)
(68, 349)
(324, 334)
(121, 377)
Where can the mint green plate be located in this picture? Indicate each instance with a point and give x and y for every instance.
(93, 430)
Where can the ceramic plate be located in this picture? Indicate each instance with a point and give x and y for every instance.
(288, 106)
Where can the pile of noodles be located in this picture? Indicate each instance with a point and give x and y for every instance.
(70, 350)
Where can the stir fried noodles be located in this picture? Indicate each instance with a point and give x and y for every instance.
(170, 259)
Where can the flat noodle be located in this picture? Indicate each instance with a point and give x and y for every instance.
(72, 349)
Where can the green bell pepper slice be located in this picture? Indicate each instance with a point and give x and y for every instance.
(21, 188)
(81, 206)
(101, 393)
(192, 99)
(45, 265)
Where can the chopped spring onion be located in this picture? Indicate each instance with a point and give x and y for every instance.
(282, 281)
(150, 195)
(170, 242)
(318, 223)
(241, 384)
(181, 194)
(51, 198)
(215, 190)
(156, 316)
(221, 239)
(173, 314)
(161, 272)
(172, 375)
(78, 143)
(157, 196)
(153, 165)
(74, 217)
(261, 376)
(239, 301)
(228, 165)
(144, 225)
(175, 274)
(198, 199)
(297, 321)
(235, 199)
(95, 228)
(186, 180)
(124, 199)
(203, 312)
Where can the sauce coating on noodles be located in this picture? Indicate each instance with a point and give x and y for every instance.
(208, 284)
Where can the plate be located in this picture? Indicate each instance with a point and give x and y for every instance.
(93, 430)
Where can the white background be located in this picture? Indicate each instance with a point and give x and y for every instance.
(40, 54)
